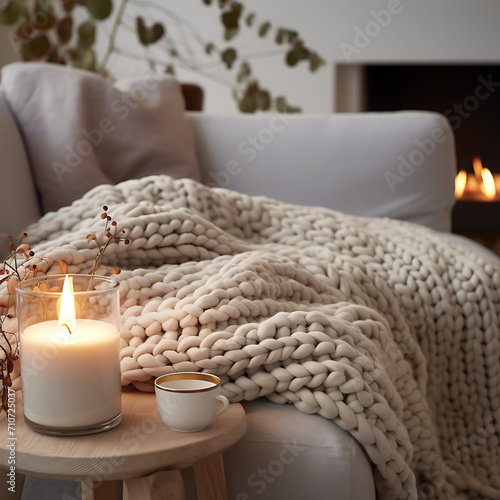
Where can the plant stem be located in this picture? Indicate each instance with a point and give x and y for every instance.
(184, 65)
(112, 36)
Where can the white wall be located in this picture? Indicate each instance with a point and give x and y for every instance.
(422, 31)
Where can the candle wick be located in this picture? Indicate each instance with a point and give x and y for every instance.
(64, 324)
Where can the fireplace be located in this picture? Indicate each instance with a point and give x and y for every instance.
(469, 96)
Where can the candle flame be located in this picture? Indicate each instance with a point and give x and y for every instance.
(460, 183)
(67, 315)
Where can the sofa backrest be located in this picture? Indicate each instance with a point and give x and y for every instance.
(400, 165)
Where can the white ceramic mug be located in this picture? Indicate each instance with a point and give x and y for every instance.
(188, 401)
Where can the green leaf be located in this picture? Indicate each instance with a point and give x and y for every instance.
(35, 48)
(230, 18)
(263, 100)
(83, 59)
(285, 35)
(315, 61)
(170, 70)
(247, 104)
(44, 18)
(55, 58)
(292, 58)
(250, 19)
(86, 35)
(292, 35)
(209, 47)
(148, 36)
(229, 56)
(65, 29)
(280, 36)
(11, 13)
(222, 3)
(283, 107)
(69, 5)
(244, 72)
(229, 34)
(264, 29)
(100, 9)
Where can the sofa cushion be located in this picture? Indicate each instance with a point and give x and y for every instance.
(80, 130)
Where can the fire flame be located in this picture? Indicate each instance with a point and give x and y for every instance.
(460, 183)
(481, 185)
(488, 184)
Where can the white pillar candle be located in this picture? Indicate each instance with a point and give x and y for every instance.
(71, 380)
(70, 367)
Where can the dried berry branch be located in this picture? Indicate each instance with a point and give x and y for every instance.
(111, 232)
(22, 264)
(19, 265)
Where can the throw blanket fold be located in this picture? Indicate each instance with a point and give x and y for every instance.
(384, 327)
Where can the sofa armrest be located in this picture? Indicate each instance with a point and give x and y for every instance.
(18, 200)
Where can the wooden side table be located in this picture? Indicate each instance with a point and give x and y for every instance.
(140, 446)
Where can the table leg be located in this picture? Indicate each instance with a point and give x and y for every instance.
(210, 479)
(106, 490)
(18, 488)
(167, 485)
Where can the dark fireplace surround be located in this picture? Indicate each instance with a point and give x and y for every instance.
(468, 95)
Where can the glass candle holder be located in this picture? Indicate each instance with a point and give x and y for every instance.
(70, 353)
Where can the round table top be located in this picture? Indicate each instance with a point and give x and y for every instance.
(140, 445)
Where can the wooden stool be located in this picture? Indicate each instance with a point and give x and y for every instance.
(139, 446)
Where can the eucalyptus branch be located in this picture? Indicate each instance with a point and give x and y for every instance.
(56, 32)
(112, 36)
(185, 65)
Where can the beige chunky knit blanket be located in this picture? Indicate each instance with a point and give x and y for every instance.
(384, 327)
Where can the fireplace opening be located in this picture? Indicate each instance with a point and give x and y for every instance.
(469, 96)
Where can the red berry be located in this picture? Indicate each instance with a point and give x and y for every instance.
(105, 208)
(113, 223)
(25, 235)
(127, 242)
(9, 239)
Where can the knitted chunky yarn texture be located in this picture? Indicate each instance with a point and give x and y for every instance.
(384, 327)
